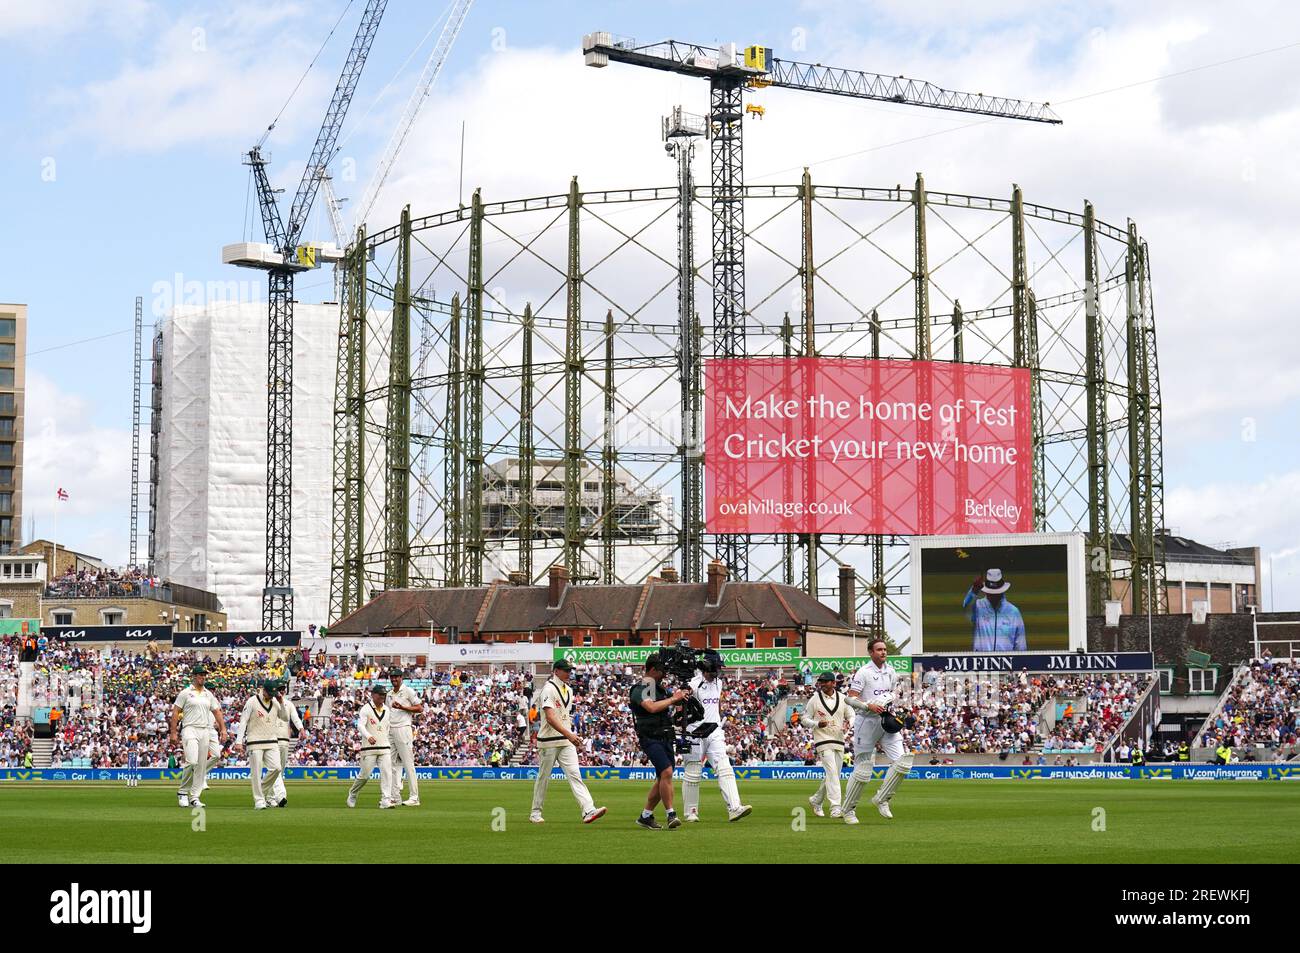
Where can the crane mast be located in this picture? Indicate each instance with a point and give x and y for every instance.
(285, 259)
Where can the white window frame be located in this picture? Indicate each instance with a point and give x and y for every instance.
(1191, 681)
(750, 640)
(103, 616)
(1166, 680)
(727, 640)
(70, 613)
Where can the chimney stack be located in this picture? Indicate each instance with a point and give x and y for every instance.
(717, 578)
(848, 595)
(668, 573)
(559, 580)
(518, 577)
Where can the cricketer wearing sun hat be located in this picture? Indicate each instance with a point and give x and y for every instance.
(996, 623)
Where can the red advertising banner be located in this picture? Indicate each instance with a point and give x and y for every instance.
(849, 445)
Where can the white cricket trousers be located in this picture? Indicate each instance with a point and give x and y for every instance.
(263, 756)
(831, 757)
(278, 793)
(369, 761)
(402, 739)
(194, 743)
(566, 756)
(868, 732)
(713, 752)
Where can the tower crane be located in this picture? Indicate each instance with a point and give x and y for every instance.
(282, 258)
(729, 70)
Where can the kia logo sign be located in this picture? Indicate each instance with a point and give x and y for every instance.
(204, 639)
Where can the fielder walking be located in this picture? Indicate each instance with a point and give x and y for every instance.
(870, 693)
(557, 744)
(828, 712)
(284, 741)
(199, 711)
(258, 724)
(403, 704)
(709, 746)
(373, 724)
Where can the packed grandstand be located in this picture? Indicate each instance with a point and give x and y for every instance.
(106, 703)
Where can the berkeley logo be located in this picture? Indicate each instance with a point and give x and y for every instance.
(103, 907)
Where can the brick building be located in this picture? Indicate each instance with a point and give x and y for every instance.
(718, 613)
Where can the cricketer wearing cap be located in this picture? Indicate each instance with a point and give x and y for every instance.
(373, 724)
(199, 709)
(557, 744)
(403, 705)
(258, 732)
(284, 740)
(870, 692)
(828, 713)
(710, 748)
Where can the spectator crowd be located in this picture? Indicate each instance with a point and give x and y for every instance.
(112, 701)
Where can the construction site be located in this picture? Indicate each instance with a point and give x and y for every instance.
(517, 382)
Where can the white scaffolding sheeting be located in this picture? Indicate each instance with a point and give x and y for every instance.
(211, 509)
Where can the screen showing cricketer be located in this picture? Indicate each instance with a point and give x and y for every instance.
(849, 445)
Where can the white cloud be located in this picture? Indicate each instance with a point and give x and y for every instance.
(206, 79)
(92, 463)
(1263, 512)
(49, 20)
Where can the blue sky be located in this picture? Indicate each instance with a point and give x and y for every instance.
(123, 123)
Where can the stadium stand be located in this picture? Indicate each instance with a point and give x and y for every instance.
(1260, 709)
(115, 699)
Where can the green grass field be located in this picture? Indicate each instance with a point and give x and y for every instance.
(935, 821)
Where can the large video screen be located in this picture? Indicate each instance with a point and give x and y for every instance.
(1021, 593)
(850, 445)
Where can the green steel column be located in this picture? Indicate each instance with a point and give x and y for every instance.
(1036, 417)
(573, 392)
(453, 456)
(1025, 354)
(1139, 494)
(877, 481)
(1019, 279)
(807, 273)
(787, 473)
(957, 354)
(608, 458)
(527, 455)
(474, 399)
(397, 491)
(924, 352)
(1099, 572)
(921, 274)
(360, 322)
(344, 590)
(1154, 431)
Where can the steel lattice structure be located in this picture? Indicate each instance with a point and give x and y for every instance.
(562, 338)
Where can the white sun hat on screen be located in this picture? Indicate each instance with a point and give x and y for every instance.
(994, 584)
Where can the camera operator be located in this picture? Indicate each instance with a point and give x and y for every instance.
(709, 743)
(654, 732)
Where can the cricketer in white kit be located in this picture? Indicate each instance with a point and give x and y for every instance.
(258, 732)
(557, 744)
(870, 692)
(403, 705)
(375, 752)
(829, 715)
(279, 795)
(710, 749)
(198, 709)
